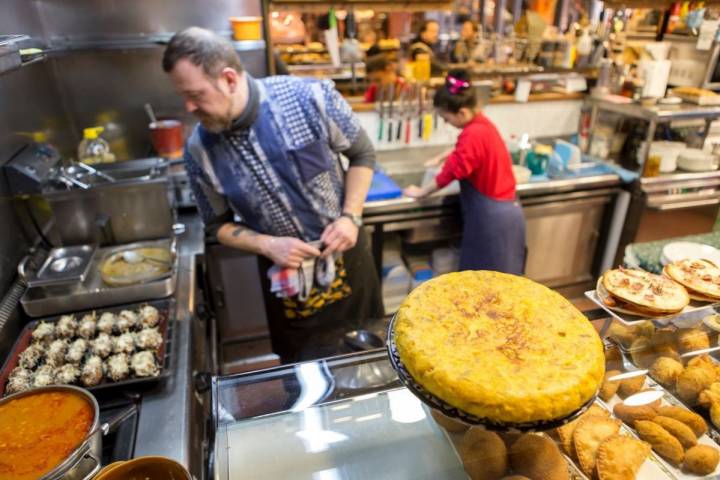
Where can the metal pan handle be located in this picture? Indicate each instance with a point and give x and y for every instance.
(98, 464)
(22, 269)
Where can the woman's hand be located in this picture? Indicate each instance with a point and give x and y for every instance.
(413, 191)
(438, 160)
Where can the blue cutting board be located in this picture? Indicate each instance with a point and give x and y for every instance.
(383, 188)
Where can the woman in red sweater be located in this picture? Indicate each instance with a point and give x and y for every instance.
(493, 235)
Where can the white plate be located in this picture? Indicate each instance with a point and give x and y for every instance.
(681, 250)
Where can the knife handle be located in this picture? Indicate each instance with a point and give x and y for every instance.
(399, 130)
(390, 131)
(380, 130)
(408, 131)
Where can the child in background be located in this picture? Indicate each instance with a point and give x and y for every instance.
(493, 236)
(381, 71)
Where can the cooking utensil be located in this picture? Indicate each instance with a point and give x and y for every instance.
(401, 113)
(421, 111)
(360, 340)
(133, 256)
(381, 97)
(150, 113)
(391, 102)
(86, 459)
(409, 113)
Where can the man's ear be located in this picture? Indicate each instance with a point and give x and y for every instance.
(232, 78)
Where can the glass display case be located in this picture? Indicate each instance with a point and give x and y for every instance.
(347, 417)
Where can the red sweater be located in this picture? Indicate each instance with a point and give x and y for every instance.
(481, 157)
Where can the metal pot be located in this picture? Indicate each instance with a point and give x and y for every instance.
(85, 461)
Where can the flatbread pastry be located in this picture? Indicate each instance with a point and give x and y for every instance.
(646, 291)
(499, 346)
(588, 436)
(620, 306)
(700, 277)
(620, 457)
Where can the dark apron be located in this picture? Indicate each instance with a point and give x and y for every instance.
(320, 335)
(493, 235)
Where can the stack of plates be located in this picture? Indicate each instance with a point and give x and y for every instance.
(696, 160)
(675, 251)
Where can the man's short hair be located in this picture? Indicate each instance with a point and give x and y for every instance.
(377, 63)
(202, 48)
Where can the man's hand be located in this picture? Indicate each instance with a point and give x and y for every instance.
(288, 252)
(339, 236)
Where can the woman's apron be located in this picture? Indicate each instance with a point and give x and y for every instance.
(493, 235)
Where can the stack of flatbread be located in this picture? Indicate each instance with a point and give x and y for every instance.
(700, 277)
(638, 292)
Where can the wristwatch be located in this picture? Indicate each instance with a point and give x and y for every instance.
(355, 219)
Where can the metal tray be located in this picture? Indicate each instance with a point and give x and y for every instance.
(93, 293)
(64, 265)
(689, 316)
(166, 309)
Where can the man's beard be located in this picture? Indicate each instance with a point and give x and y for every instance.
(216, 123)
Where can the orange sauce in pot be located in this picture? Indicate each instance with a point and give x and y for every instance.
(38, 432)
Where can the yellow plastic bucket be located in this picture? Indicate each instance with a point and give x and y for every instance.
(246, 28)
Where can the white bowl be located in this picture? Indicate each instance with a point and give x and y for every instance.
(681, 250)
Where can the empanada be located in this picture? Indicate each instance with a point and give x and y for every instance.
(678, 430)
(630, 414)
(588, 436)
(631, 385)
(565, 433)
(608, 389)
(620, 457)
(661, 440)
(691, 419)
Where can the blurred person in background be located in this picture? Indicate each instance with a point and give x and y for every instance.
(382, 72)
(427, 42)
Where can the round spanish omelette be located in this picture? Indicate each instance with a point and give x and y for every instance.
(499, 346)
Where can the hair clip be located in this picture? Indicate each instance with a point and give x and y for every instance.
(455, 85)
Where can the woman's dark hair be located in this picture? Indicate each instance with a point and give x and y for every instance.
(425, 24)
(457, 92)
(377, 63)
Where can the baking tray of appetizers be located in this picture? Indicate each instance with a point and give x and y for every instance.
(663, 413)
(139, 352)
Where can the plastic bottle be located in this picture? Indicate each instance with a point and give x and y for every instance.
(114, 134)
(584, 48)
(93, 148)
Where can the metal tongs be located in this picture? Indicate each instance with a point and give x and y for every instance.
(66, 176)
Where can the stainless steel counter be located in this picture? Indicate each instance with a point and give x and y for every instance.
(166, 421)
